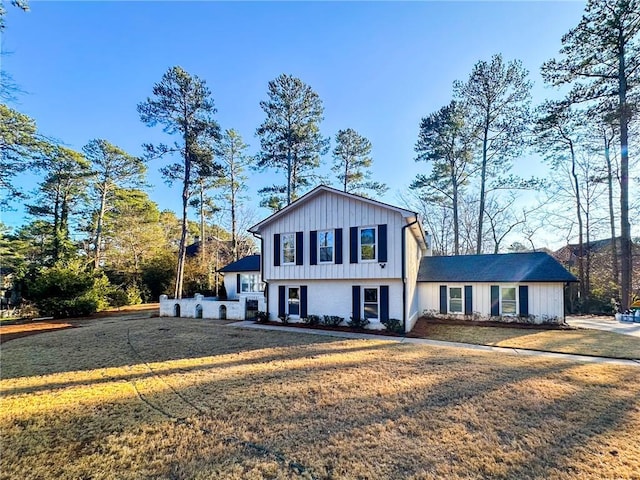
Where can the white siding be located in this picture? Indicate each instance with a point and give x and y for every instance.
(334, 298)
(230, 284)
(413, 254)
(330, 211)
(545, 299)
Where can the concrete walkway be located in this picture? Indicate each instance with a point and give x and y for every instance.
(438, 343)
(608, 324)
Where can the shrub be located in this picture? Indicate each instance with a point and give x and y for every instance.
(134, 295)
(393, 325)
(312, 320)
(117, 297)
(284, 318)
(262, 317)
(332, 320)
(358, 322)
(69, 291)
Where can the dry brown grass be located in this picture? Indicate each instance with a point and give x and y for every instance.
(577, 341)
(180, 398)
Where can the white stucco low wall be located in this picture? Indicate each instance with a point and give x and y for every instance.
(211, 308)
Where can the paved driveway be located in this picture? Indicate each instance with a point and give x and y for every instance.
(609, 324)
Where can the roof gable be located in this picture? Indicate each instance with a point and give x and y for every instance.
(506, 267)
(322, 189)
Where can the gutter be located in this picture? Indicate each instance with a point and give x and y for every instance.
(266, 284)
(404, 279)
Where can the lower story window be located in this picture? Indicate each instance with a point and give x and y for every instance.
(508, 298)
(455, 299)
(251, 283)
(370, 301)
(293, 301)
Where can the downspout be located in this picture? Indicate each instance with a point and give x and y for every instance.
(404, 279)
(266, 284)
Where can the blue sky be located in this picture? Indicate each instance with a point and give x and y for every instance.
(378, 67)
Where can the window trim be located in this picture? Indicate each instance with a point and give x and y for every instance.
(375, 244)
(363, 302)
(332, 246)
(515, 301)
(282, 244)
(288, 303)
(259, 284)
(461, 288)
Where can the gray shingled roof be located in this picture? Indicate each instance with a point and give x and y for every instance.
(246, 264)
(505, 267)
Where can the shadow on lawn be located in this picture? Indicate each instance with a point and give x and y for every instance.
(378, 411)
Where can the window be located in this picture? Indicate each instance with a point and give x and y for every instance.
(250, 283)
(455, 300)
(293, 301)
(325, 246)
(288, 248)
(368, 243)
(508, 300)
(370, 303)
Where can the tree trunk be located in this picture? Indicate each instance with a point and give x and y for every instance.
(234, 237)
(203, 238)
(580, 226)
(625, 227)
(456, 226)
(98, 237)
(615, 277)
(483, 180)
(183, 233)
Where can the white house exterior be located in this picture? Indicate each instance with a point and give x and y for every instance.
(507, 287)
(338, 254)
(333, 253)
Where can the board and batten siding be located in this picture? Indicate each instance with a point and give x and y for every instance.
(327, 212)
(413, 255)
(545, 299)
(334, 298)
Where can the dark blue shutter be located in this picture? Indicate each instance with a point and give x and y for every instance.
(353, 245)
(495, 300)
(355, 302)
(237, 283)
(338, 251)
(468, 300)
(443, 299)
(523, 294)
(299, 248)
(276, 249)
(382, 241)
(303, 301)
(281, 301)
(384, 303)
(313, 247)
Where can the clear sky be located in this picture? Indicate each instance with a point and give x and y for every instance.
(378, 67)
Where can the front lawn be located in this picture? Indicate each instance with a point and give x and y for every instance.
(576, 341)
(193, 399)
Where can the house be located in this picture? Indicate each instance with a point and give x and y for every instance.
(507, 287)
(334, 253)
(338, 254)
(242, 278)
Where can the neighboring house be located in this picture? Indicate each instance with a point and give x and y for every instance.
(507, 287)
(334, 253)
(243, 278)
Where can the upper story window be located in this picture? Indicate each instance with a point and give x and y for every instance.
(288, 248)
(325, 246)
(250, 283)
(508, 301)
(455, 300)
(368, 243)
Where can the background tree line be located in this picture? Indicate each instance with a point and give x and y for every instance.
(91, 217)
